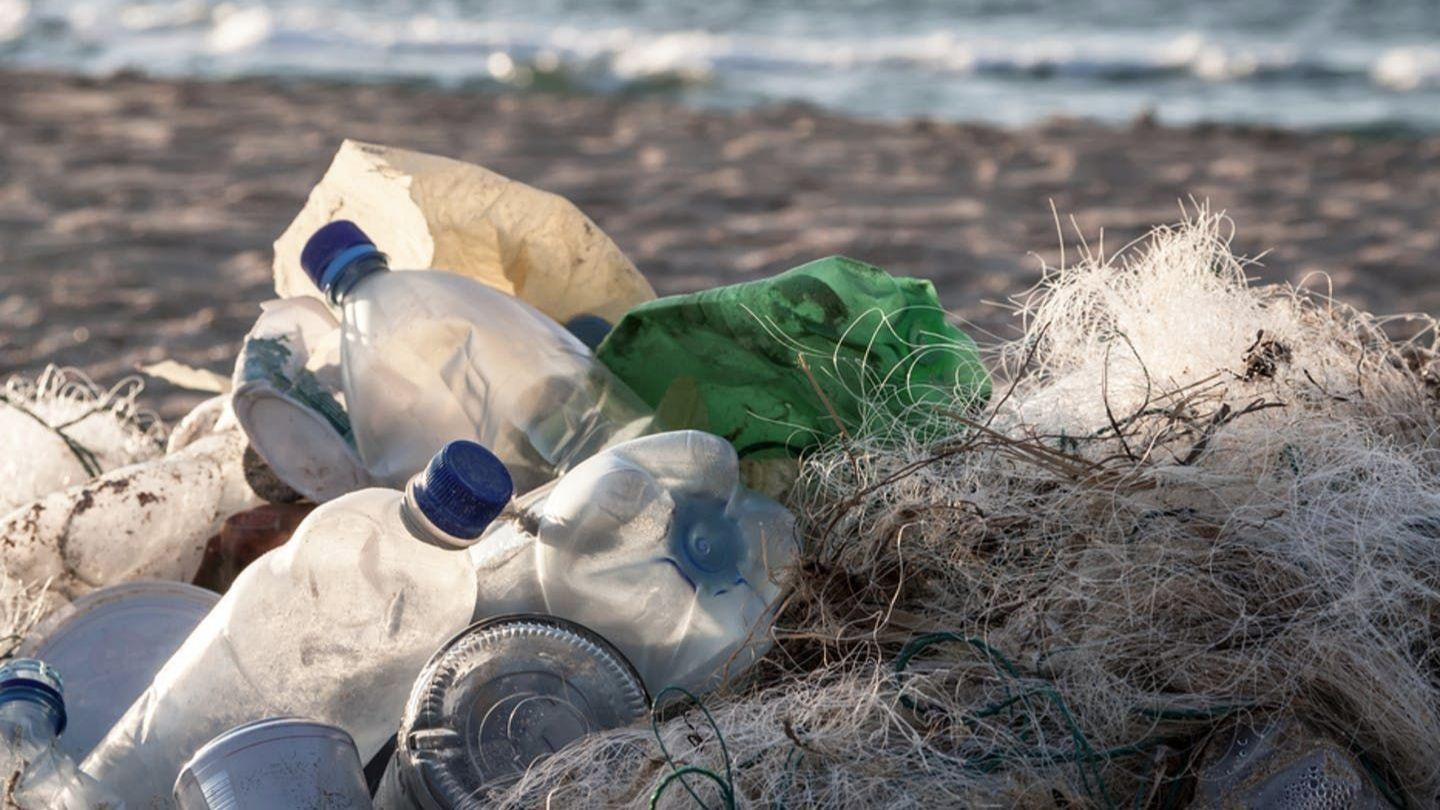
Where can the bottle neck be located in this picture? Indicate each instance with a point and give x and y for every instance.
(421, 527)
(349, 275)
(28, 721)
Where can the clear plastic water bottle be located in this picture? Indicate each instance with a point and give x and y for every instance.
(429, 356)
(655, 545)
(278, 762)
(332, 626)
(499, 696)
(33, 770)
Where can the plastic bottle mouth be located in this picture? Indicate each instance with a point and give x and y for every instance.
(32, 681)
(706, 543)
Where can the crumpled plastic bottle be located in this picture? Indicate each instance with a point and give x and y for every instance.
(34, 773)
(429, 356)
(655, 545)
(332, 626)
(284, 399)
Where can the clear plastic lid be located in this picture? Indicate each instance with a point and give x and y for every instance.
(503, 694)
(109, 645)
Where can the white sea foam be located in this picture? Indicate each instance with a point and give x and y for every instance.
(13, 16)
(1408, 68)
(238, 29)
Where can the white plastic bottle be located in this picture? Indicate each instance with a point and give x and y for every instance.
(655, 545)
(429, 356)
(332, 626)
(34, 772)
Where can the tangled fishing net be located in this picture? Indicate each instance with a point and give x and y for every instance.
(1190, 501)
(60, 429)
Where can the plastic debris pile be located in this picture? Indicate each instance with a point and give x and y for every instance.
(506, 530)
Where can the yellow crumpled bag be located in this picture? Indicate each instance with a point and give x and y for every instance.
(426, 211)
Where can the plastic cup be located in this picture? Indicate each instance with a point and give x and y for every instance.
(281, 762)
(109, 645)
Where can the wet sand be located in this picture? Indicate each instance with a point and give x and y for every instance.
(137, 215)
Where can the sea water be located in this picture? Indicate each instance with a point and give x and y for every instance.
(1293, 63)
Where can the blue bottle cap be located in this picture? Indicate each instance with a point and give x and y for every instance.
(591, 329)
(463, 488)
(331, 248)
(37, 682)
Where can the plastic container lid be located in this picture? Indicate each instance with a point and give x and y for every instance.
(275, 763)
(463, 489)
(109, 646)
(504, 693)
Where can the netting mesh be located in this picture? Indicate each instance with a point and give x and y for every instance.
(1190, 500)
(60, 429)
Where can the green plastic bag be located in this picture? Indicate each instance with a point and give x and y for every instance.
(772, 365)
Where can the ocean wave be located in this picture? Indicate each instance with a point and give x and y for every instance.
(846, 63)
(14, 16)
(220, 35)
(1408, 68)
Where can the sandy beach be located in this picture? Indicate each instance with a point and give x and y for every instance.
(137, 215)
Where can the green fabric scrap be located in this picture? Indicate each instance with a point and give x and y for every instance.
(771, 364)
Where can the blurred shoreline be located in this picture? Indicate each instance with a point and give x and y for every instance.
(137, 214)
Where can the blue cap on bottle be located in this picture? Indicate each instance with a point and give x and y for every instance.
(464, 488)
(331, 248)
(37, 682)
(591, 329)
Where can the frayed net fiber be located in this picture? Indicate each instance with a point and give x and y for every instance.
(60, 429)
(1189, 501)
